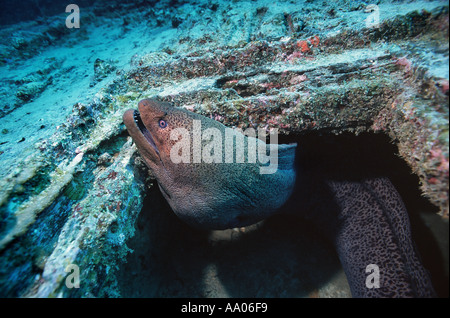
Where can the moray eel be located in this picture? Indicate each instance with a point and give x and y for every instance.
(375, 230)
(222, 194)
(366, 219)
(342, 190)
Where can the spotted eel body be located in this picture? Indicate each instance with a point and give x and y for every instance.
(374, 229)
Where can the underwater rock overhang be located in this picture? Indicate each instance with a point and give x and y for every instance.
(353, 82)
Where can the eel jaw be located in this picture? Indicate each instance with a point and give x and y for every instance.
(140, 133)
(140, 124)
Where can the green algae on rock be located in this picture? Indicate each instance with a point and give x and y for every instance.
(97, 229)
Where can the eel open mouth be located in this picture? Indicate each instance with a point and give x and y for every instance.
(144, 130)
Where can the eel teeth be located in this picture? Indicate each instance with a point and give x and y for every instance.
(140, 124)
(136, 117)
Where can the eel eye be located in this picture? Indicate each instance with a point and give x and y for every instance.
(162, 123)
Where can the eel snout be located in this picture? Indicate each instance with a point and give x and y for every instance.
(133, 120)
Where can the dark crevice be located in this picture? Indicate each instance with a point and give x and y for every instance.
(375, 155)
(170, 258)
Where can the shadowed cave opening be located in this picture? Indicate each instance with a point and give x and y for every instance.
(283, 256)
